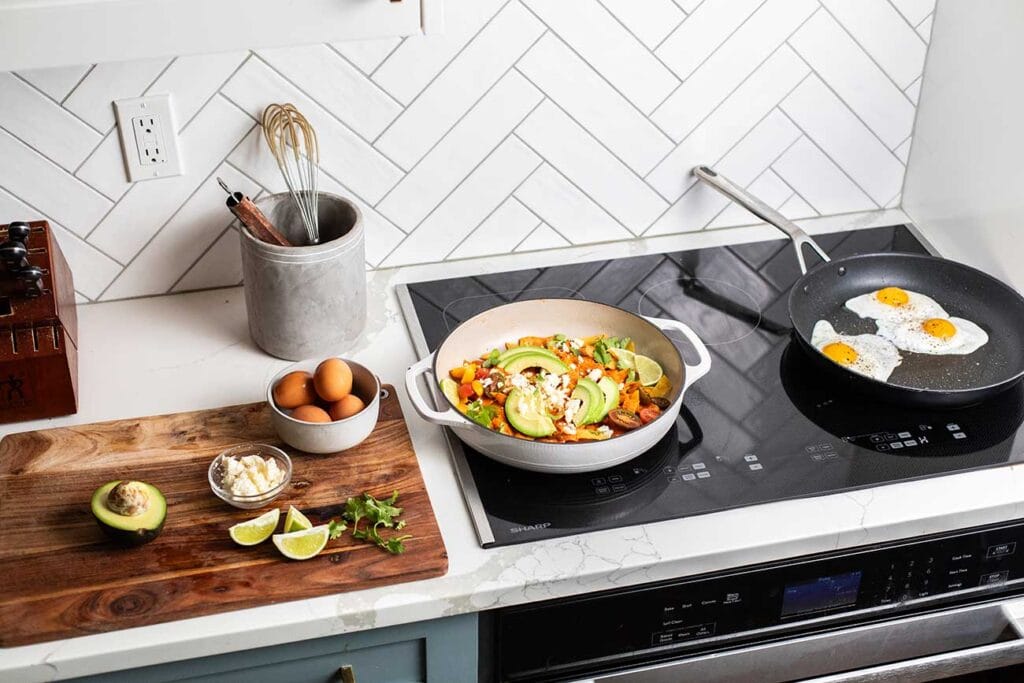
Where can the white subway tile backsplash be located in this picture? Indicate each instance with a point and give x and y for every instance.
(818, 180)
(591, 167)
(561, 204)
(845, 138)
(526, 124)
(864, 88)
(701, 34)
(56, 82)
(337, 86)
(651, 21)
(594, 104)
(740, 112)
(468, 205)
(500, 232)
(407, 71)
(884, 34)
(469, 76)
(367, 55)
(608, 47)
(43, 124)
(204, 145)
(91, 99)
(458, 154)
(731, 64)
(40, 183)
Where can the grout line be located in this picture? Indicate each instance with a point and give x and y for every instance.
(384, 92)
(70, 113)
(580, 190)
(313, 100)
(80, 81)
(528, 235)
(216, 92)
(454, 125)
(912, 26)
(865, 51)
(646, 115)
(641, 43)
(586, 130)
(387, 57)
(834, 162)
(181, 206)
(669, 34)
(195, 263)
(442, 69)
(246, 175)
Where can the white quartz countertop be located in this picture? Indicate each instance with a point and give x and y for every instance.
(192, 351)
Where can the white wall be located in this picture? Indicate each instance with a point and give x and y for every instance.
(965, 181)
(529, 124)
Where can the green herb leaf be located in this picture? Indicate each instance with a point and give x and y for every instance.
(335, 528)
(378, 514)
(560, 337)
(481, 414)
(492, 358)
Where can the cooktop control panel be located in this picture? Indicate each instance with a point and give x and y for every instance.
(804, 593)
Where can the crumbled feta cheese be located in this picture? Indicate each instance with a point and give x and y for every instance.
(621, 386)
(571, 408)
(604, 430)
(519, 381)
(251, 475)
(569, 428)
(594, 374)
(487, 381)
(572, 366)
(578, 343)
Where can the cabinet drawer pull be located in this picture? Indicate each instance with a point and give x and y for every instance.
(345, 674)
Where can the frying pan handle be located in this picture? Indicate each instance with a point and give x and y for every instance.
(762, 211)
(693, 372)
(447, 418)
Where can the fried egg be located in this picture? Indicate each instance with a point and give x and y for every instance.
(894, 304)
(936, 336)
(865, 354)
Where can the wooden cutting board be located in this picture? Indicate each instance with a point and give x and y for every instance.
(62, 578)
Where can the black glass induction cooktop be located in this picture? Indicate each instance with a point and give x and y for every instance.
(762, 426)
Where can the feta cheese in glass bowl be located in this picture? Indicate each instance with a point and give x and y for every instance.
(250, 476)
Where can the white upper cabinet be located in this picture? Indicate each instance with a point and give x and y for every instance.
(45, 33)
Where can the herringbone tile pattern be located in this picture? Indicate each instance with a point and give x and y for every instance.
(528, 124)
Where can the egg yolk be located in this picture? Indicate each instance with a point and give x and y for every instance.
(893, 296)
(940, 328)
(841, 353)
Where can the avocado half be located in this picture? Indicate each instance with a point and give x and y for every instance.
(131, 513)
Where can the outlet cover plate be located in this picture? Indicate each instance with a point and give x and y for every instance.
(149, 138)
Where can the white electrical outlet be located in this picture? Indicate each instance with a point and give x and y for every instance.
(149, 139)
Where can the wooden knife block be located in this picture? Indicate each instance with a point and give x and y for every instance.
(38, 336)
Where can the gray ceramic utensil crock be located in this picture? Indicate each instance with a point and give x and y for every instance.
(306, 301)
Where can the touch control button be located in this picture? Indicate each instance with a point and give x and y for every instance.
(1001, 550)
(994, 577)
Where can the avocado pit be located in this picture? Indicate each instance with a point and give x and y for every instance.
(129, 512)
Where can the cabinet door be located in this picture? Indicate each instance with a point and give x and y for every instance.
(45, 33)
(438, 651)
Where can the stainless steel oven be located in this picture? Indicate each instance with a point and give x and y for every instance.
(933, 608)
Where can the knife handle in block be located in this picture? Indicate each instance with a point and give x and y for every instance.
(255, 220)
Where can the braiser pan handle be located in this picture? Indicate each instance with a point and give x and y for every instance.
(762, 211)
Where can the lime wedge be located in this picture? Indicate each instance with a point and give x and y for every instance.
(647, 370)
(450, 389)
(296, 521)
(302, 545)
(626, 358)
(255, 530)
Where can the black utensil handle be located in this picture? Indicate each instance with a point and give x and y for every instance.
(762, 211)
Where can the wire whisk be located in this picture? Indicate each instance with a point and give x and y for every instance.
(292, 142)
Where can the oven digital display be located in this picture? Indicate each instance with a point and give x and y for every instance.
(827, 592)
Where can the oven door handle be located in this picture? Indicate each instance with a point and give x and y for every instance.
(918, 648)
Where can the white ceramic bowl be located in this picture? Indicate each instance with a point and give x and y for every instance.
(328, 437)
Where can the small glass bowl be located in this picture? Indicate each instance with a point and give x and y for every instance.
(216, 475)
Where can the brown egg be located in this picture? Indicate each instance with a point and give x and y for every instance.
(346, 407)
(333, 379)
(311, 414)
(294, 389)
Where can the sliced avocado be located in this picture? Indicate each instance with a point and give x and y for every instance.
(595, 404)
(610, 389)
(525, 412)
(535, 360)
(129, 512)
(508, 355)
(586, 399)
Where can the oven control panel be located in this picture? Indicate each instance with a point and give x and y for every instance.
(705, 611)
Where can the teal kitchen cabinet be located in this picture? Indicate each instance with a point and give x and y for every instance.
(438, 651)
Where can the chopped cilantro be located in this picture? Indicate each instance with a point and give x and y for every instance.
(481, 414)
